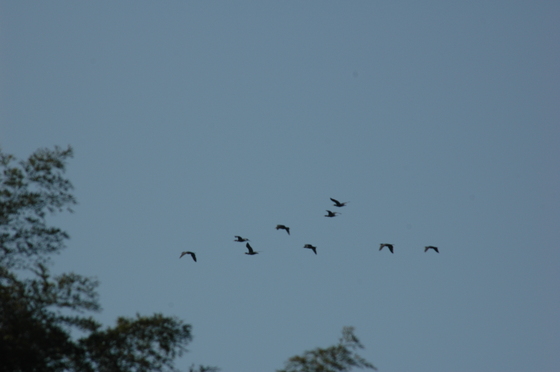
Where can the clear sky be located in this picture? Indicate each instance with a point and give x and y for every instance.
(196, 121)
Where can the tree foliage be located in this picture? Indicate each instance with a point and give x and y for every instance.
(338, 358)
(28, 191)
(39, 311)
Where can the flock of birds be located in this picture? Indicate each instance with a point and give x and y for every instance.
(251, 251)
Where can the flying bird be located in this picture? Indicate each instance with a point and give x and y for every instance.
(278, 227)
(251, 251)
(191, 253)
(331, 214)
(311, 247)
(240, 239)
(337, 203)
(390, 246)
(431, 247)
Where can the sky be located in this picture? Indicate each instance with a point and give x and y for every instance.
(192, 122)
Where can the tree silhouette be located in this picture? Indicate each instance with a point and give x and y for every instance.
(338, 358)
(38, 311)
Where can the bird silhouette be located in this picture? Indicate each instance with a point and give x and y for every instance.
(331, 214)
(251, 251)
(240, 239)
(431, 247)
(311, 247)
(278, 227)
(390, 246)
(338, 204)
(191, 253)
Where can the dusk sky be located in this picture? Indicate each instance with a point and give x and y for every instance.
(192, 122)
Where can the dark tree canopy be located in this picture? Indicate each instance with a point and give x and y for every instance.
(39, 312)
(29, 190)
(337, 358)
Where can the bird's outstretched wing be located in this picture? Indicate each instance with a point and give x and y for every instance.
(337, 203)
(278, 227)
(188, 252)
(249, 247)
(390, 246)
(431, 247)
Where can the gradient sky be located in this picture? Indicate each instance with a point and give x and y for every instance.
(193, 122)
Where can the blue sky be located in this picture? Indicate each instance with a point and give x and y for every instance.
(193, 122)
